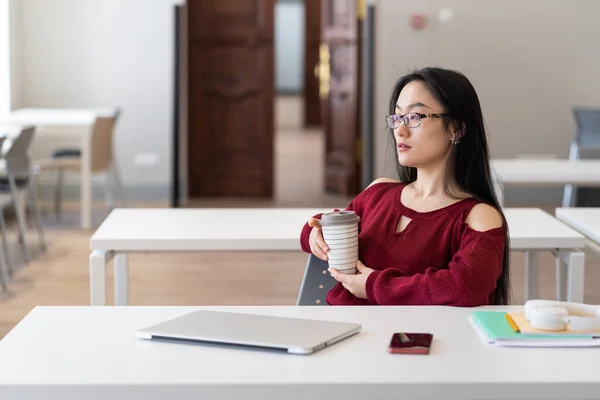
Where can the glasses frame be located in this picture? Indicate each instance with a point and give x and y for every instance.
(403, 118)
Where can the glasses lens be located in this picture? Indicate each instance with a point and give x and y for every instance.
(412, 120)
(393, 121)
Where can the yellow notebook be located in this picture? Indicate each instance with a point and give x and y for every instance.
(525, 328)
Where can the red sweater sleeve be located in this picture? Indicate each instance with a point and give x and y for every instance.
(467, 281)
(305, 235)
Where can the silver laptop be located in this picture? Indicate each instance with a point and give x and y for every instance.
(294, 335)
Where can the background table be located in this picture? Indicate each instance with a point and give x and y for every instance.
(544, 172)
(277, 229)
(587, 222)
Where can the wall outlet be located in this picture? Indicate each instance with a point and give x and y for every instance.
(146, 160)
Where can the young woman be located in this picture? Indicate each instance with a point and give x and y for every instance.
(437, 236)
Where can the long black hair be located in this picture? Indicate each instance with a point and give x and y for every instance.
(468, 165)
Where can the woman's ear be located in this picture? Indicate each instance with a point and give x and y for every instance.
(459, 133)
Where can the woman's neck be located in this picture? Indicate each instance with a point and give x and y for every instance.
(430, 183)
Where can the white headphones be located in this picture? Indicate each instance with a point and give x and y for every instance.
(549, 315)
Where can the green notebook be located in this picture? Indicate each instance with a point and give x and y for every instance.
(496, 326)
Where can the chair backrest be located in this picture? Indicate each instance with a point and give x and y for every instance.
(17, 157)
(316, 283)
(3, 139)
(102, 142)
(587, 121)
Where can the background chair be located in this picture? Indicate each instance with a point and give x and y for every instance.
(587, 138)
(316, 283)
(5, 264)
(102, 159)
(16, 187)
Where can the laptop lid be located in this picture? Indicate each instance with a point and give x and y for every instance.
(294, 335)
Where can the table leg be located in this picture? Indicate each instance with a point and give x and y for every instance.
(592, 249)
(576, 262)
(121, 279)
(561, 278)
(86, 181)
(532, 285)
(98, 261)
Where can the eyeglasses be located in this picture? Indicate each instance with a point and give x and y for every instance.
(411, 120)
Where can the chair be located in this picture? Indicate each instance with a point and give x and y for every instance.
(102, 161)
(587, 137)
(19, 184)
(316, 283)
(5, 265)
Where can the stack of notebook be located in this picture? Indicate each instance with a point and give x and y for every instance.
(513, 329)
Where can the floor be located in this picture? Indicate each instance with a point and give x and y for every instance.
(60, 275)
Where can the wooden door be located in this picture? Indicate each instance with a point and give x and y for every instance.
(341, 41)
(230, 98)
(312, 41)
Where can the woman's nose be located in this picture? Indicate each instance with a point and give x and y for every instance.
(402, 131)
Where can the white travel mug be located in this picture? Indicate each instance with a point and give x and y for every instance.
(340, 231)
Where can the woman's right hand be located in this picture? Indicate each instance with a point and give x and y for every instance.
(317, 244)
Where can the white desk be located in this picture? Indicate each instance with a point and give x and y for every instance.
(544, 172)
(532, 230)
(92, 353)
(274, 229)
(585, 220)
(77, 123)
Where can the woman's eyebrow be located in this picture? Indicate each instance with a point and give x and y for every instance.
(413, 105)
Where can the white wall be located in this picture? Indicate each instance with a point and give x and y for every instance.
(289, 46)
(530, 61)
(4, 59)
(102, 53)
(16, 56)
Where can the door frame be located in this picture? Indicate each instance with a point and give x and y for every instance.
(367, 101)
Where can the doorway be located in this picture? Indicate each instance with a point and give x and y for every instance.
(237, 114)
(299, 137)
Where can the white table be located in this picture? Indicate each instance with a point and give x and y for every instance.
(275, 229)
(544, 172)
(586, 221)
(92, 353)
(532, 230)
(78, 123)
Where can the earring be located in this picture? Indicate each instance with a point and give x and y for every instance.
(455, 141)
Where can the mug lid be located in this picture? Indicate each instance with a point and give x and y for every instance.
(339, 218)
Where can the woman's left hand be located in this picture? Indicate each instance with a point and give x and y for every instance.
(356, 284)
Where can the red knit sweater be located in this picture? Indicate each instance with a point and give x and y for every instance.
(436, 260)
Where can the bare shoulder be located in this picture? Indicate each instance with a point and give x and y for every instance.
(484, 217)
(383, 180)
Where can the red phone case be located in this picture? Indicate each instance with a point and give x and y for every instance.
(410, 343)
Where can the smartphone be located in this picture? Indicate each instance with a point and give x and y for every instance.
(410, 343)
